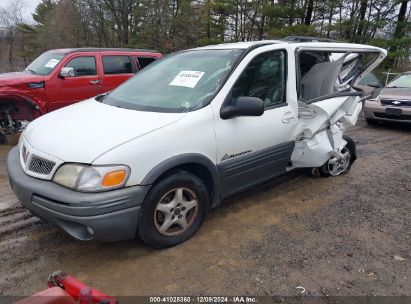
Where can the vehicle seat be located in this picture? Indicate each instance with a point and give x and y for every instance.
(321, 79)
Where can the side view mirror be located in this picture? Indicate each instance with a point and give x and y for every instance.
(67, 72)
(243, 106)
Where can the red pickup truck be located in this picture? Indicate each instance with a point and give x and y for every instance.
(61, 77)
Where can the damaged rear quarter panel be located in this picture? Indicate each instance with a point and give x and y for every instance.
(321, 134)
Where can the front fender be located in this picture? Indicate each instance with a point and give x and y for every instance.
(178, 160)
(182, 160)
(20, 105)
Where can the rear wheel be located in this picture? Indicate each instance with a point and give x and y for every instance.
(338, 166)
(173, 210)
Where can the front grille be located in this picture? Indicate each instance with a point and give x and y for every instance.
(40, 165)
(396, 102)
(396, 117)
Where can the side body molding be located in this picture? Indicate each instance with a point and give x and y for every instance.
(239, 174)
(231, 176)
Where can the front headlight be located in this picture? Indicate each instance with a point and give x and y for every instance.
(91, 178)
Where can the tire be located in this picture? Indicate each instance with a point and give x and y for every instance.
(179, 196)
(371, 121)
(350, 150)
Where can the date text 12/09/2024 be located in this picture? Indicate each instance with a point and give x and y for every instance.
(203, 299)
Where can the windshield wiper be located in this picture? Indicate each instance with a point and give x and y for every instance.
(101, 97)
(395, 87)
(34, 72)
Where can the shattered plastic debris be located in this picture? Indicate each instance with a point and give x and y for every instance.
(398, 258)
(346, 267)
(301, 288)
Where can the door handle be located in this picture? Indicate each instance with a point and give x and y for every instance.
(288, 117)
(95, 81)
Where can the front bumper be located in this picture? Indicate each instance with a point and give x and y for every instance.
(110, 216)
(374, 110)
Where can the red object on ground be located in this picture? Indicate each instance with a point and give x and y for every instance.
(78, 290)
(53, 295)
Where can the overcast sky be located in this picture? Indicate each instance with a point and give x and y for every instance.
(28, 7)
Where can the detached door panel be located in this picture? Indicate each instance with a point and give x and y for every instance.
(83, 85)
(251, 150)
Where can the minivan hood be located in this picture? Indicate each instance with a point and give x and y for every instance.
(13, 78)
(83, 131)
(396, 93)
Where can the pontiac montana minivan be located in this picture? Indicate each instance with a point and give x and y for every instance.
(153, 156)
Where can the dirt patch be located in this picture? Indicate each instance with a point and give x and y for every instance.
(333, 236)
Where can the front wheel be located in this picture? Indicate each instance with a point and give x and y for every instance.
(335, 166)
(173, 210)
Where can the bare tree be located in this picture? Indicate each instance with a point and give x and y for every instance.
(170, 25)
(10, 17)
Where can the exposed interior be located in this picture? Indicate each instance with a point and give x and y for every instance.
(326, 74)
(329, 101)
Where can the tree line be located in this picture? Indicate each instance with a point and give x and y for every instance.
(171, 25)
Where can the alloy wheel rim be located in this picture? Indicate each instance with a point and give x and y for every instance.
(176, 211)
(337, 166)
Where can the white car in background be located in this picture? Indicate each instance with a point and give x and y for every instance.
(151, 157)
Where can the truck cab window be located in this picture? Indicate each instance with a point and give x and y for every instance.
(145, 61)
(118, 64)
(83, 66)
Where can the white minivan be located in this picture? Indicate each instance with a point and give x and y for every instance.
(150, 158)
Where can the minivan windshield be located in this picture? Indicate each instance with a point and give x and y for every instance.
(183, 81)
(45, 63)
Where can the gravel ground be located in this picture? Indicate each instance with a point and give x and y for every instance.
(342, 236)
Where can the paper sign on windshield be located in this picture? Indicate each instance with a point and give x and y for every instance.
(187, 79)
(52, 63)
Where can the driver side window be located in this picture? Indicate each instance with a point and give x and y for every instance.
(265, 78)
(83, 66)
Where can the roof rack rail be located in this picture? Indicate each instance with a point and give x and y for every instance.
(307, 39)
(98, 49)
